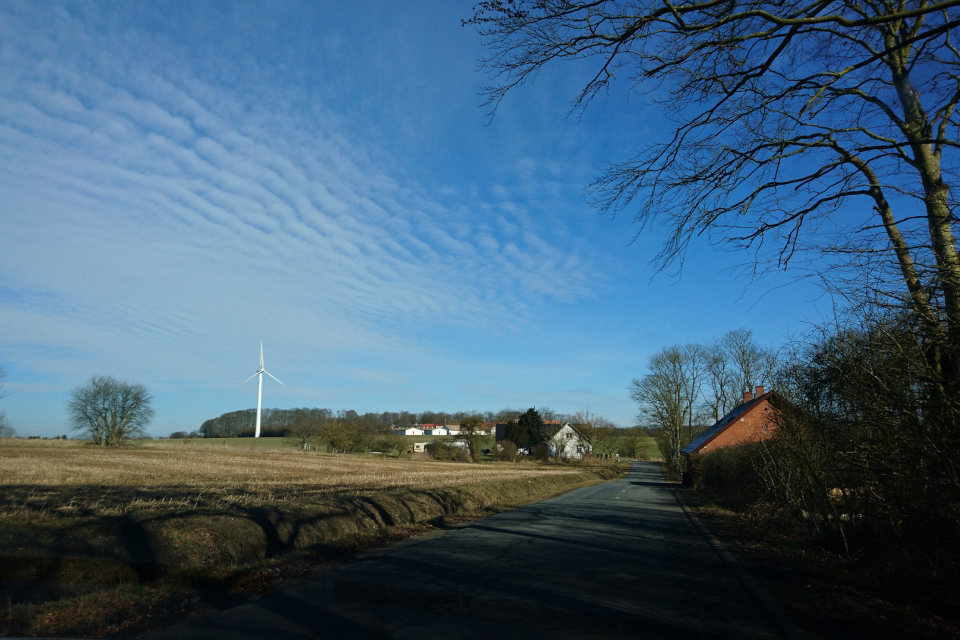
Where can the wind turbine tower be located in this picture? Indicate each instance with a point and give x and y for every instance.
(259, 374)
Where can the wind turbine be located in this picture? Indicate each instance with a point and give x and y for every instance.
(260, 373)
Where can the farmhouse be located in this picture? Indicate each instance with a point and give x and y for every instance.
(751, 421)
(564, 440)
(567, 442)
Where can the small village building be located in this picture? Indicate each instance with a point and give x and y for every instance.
(567, 442)
(751, 421)
(437, 429)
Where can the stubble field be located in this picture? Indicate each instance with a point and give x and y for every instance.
(82, 525)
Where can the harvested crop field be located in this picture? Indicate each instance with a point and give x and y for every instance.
(232, 474)
(78, 520)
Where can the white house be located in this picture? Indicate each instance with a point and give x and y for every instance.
(438, 431)
(412, 431)
(567, 442)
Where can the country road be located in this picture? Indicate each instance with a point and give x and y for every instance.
(620, 559)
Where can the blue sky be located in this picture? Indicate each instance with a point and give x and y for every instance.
(182, 180)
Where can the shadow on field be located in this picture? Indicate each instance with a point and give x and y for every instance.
(60, 547)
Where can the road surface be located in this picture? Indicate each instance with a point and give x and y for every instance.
(616, 560)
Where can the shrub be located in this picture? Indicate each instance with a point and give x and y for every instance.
(385, 443)
(506, 451)
(729, 475)
(446, 452)
(471, 435)
(640, 450)
(304, 432)
(540, 452)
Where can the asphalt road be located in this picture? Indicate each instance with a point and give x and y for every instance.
(615, 560)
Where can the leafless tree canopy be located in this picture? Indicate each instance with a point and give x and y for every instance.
(6, 431)
(593, 427)
(471, 433)
(110, 412)
(818, 129)
(663, 401)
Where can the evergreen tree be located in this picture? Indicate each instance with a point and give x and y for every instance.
(528, 431)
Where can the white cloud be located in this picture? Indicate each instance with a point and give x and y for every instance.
(156, 211)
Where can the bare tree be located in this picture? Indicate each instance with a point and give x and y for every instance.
(695, 360)
(749, 363)
(663, 400)
(721, 394)
(471, 433)
(733, 364)
(594, 428)
(110, 412)
(784, 113)
(6, 431)
(305, 431)
(339, 435)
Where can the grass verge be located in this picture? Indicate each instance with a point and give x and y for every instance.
(100, 542)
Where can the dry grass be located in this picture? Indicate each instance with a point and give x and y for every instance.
(84, 530)
(67, 477)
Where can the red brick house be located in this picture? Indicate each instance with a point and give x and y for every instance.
(751, 421)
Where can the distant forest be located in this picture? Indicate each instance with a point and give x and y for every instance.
(278, 422)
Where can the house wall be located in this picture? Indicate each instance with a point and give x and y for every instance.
(569, 440)
(754, 426)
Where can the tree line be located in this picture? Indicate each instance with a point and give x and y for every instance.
(111, 412)
(278, 422)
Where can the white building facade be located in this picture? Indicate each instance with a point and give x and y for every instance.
(568, 443)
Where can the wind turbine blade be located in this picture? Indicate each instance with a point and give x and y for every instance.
(271, 375)
(254, 376)
(261, 354)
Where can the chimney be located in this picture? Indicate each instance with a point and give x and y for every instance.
(747, 397)
(759, 391)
